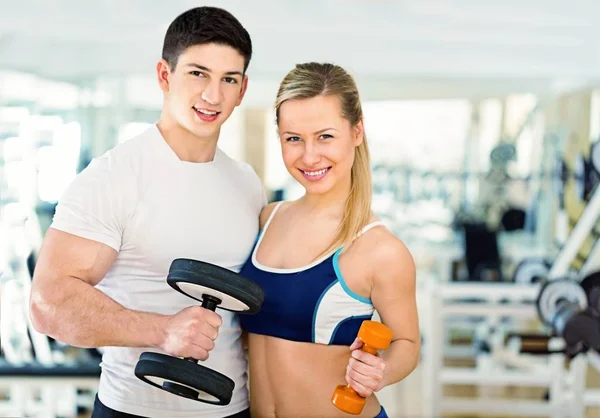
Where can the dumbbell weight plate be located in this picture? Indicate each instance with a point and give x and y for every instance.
(184, 378)
(196, 278)
(554, 291)
(591, 283)
(532, 270)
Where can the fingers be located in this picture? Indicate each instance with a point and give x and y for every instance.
(197, 344)
(198, 326)
(365, 372)
(202, 347)
(197, 353)
(204, 342)
(203, 333)
(209, 331)
(201, 314)
(192, 333)
(364, 357)
(356, 344)
(204, 322)
(363, 385)
(212, 318)
(363, 369)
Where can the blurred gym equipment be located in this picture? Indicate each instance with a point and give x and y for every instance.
(39, 376)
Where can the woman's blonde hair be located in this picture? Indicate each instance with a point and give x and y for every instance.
(314, 79)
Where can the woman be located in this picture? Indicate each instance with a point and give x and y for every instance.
(326, 263)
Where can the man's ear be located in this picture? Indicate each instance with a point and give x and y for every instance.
(163, 71)
(243, 90)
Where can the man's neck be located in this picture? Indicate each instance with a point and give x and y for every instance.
(187, 146)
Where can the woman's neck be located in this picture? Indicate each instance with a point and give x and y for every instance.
(332, 203)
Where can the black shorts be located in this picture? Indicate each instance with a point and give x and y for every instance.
(103, 411)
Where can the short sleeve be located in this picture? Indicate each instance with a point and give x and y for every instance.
(97, 203)
(259, 193)
(263, 195)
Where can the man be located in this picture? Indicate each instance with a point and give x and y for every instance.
(168, 193)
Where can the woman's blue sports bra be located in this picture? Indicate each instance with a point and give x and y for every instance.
(306, 304)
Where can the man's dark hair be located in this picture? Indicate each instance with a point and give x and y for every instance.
(203, 25)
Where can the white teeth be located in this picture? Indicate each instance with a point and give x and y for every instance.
(315, 173)
(206, 112)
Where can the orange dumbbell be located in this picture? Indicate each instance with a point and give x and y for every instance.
(374, 336)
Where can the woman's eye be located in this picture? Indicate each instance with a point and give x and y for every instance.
(292, 139)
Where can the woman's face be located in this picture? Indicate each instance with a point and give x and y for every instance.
(318, 143)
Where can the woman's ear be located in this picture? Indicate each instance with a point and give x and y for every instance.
(359, 133)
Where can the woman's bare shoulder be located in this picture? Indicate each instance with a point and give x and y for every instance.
(267, 211)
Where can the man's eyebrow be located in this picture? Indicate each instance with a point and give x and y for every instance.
(208, 70)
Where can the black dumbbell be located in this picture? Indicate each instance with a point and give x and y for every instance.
(214, 287)
(563, 305)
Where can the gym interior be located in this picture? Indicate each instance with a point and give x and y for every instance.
(483, 121)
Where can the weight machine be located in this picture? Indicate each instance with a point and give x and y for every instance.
(569, 300)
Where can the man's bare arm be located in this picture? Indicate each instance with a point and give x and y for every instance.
(66, 306)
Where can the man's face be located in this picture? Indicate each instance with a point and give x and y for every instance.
(206, 85)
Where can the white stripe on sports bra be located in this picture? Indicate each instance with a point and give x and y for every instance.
(271, 215)
(369, 226)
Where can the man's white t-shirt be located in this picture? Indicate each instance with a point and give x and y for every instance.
(142, 200)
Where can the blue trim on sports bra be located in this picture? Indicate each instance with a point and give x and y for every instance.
(340, 277)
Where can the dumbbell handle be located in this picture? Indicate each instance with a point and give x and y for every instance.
(208, 302)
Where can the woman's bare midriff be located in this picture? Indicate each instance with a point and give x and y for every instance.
(296, 379)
